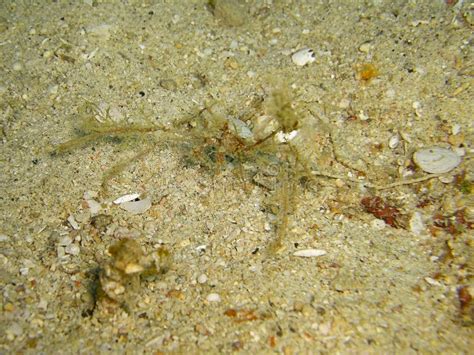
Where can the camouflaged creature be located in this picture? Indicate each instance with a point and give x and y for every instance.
(122, 274)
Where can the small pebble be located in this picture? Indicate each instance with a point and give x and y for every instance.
(378, 224)
(94, 206)
(446, 179)
(365, 47)
(72, 249)
(17, 66)
(456, 129)
(13, 331)
(432, 281)
(213, 297)
(53, 89)
(339, 183)
(363, 116)
(251, 74)
(267, 227)
(344, 103)
(64, 241)
(43, 304)
(417, 226)
(202, 279)
(325, 328)
(48, 54)
(256, 268)
(115, 113)
(72, 222)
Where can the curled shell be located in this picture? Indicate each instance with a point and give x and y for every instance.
(436, 160)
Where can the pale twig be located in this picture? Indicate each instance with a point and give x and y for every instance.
(375, 186)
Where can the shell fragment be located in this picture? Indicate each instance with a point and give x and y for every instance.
(126, 198)
(137, 207)
(309, 253)
(303, 56)
(436, 160)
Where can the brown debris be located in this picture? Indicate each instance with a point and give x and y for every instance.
(382, 210)
(241, 315)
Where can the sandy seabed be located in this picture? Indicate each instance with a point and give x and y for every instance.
(389, 78)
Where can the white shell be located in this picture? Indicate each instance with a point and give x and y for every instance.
(303, 56)
(137, 207)
(394, 141)
(308, 253)
(436, 160)
(126, 198)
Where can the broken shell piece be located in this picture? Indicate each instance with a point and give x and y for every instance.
(436, 160)
(137, 207)
(94, 206)
(303, 57)
(73, 223)
(72, 249)
(308, 253)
